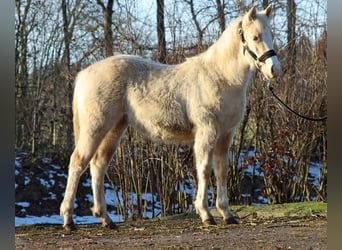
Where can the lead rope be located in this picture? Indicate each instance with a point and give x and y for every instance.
(270, 87)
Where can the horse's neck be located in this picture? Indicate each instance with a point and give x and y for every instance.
(226, 57)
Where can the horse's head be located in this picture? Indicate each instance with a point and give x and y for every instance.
(257, 42)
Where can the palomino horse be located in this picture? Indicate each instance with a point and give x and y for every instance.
(200, 101)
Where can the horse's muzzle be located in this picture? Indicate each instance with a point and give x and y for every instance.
(271, 68)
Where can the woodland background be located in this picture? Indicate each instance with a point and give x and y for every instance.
(56, 39)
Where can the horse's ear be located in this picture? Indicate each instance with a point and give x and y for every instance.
(251, 14)
(268, 10)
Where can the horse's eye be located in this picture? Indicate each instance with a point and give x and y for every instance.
(255, 38)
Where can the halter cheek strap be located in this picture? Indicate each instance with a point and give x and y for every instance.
(257, 59)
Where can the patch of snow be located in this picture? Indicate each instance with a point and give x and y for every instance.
(44, 183)
(148, 197)
(27, 180)
(57, 219)
(262, 200)
(86, 219)
(56, 167)
(17, 162)
(265, 203)
(90, 198)
(61, 185)
(110, 197)
(30, 220)
(51, 197)
(245, 195)
(315, 173)
(62, 175)
(52, 180)
(250, 154)
(86, 183)
(23, 204)
(46, 160)
(107, 185)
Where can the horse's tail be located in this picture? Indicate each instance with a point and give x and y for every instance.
(75, 117)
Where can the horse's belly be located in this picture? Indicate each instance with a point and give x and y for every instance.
(165, 120)
(161, 131)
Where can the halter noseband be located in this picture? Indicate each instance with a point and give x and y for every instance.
(257, 59)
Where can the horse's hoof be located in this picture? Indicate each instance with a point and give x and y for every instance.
(70, 227)
(111, 226)
(209, 222)
(230, 220)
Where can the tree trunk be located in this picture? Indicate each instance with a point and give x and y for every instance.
(107, 26)
(66, 69)
(161, 32)
(220, 14)
(21, 73)
(291, 38)
(200, 31)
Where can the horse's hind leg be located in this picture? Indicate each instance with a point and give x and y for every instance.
(98, 168)
(221, 173)
(79, 160)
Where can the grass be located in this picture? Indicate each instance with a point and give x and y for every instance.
(288, 209)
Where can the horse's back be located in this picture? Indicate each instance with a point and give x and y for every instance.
(107, 80)
(112, 71)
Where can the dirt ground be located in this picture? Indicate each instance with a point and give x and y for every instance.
(256, 230)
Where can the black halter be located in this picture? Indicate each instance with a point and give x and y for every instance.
(257, 59)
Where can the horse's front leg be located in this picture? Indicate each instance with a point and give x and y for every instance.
(221, 174)
(203, 150)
